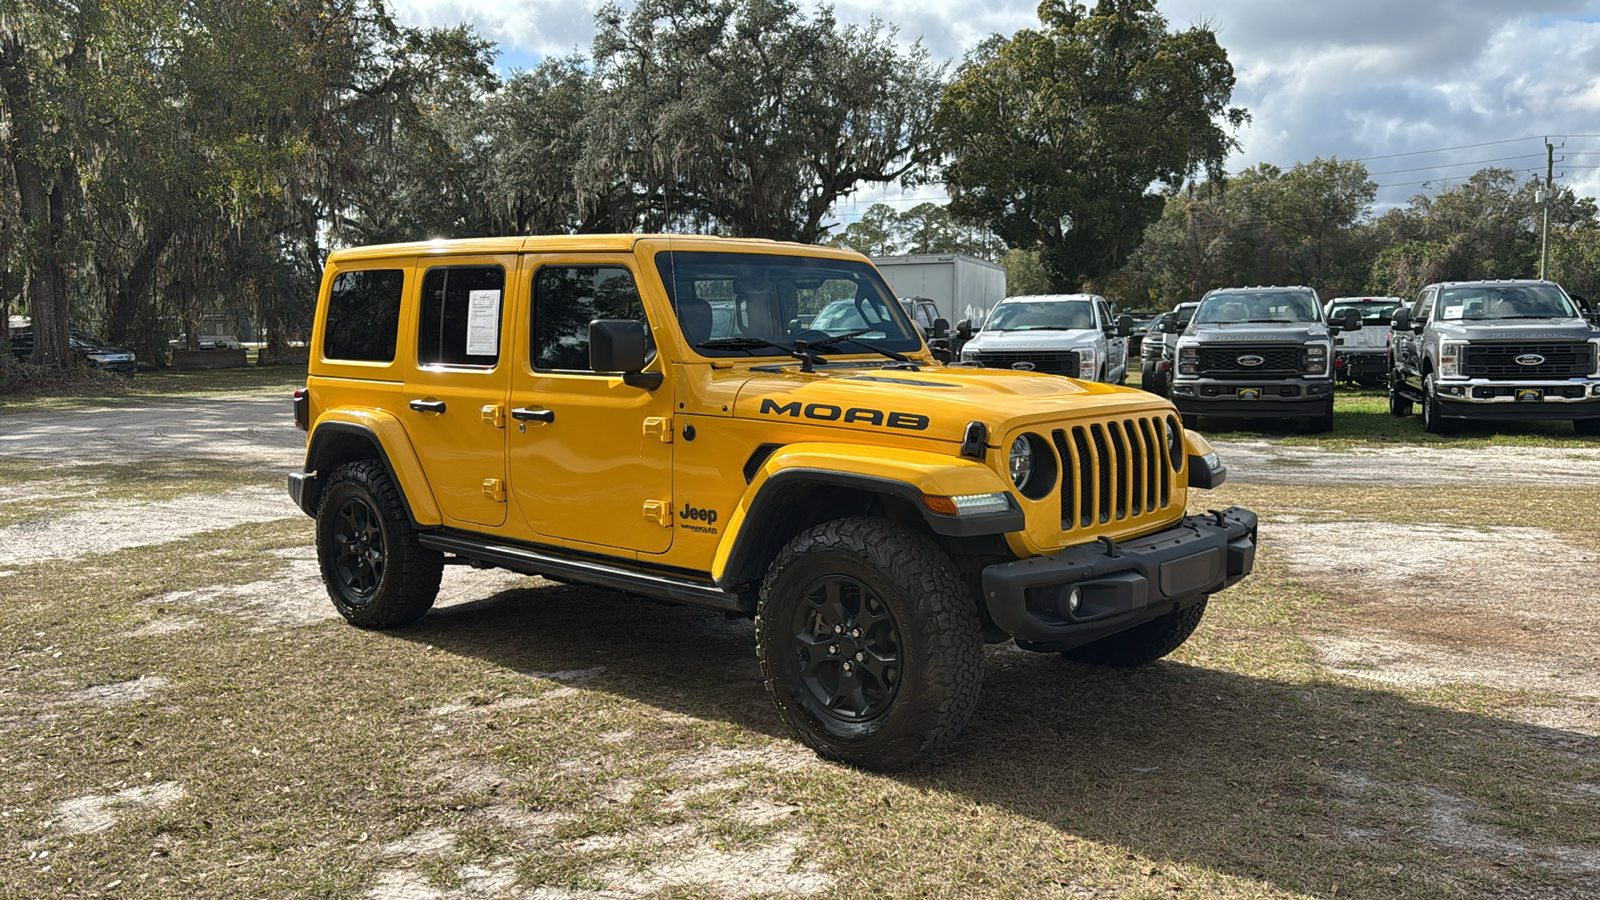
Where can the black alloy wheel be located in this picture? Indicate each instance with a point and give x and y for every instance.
(848, 647)
(358, 550)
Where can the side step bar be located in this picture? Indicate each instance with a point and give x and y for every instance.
(534, 562)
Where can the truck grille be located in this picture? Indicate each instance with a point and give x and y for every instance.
(1114, 471)
(1563, 360)
(1053, 362)
(1277, 361)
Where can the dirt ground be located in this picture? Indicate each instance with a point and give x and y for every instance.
(1420, 608)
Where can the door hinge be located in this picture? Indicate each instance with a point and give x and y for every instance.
(494, 489)
(659, 512)
(659, 427)
(494, 414)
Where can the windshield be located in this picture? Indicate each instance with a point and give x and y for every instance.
(1505, 301)
(771, 297)
(1257, 306)
(1372, 312)
(1041, 315)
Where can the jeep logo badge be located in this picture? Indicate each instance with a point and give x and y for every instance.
(1530, 359)
(1251, 360)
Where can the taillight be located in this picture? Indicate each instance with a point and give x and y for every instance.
(302, 409)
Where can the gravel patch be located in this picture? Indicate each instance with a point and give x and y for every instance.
(255, 429)
(1268, 462)
(104, 526)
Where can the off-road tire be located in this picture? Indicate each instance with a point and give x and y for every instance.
(1142, 644)
(1586, 427)
(1323, 423)
(911, 608)
(1432, 422)
(377, 574)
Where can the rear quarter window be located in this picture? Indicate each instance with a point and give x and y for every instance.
(363, 319)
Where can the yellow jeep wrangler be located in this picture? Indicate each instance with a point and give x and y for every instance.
(756, 428)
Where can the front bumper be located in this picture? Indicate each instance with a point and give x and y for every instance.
(1120, 585)
(1483, 398)
(1278, 397)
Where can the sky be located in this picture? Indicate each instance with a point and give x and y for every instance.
(1425, 92)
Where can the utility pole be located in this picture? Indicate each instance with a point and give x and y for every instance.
(1544, 237)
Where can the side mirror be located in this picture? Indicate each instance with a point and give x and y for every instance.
(964, 329)
(1169, 326)
(1350, 320)
(1124, 326)
(618, 345)
(1401, 320)
(941, 328)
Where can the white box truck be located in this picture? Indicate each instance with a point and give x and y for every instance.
(961, 286)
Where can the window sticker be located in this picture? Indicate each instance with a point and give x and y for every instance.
(1453, 312)
(483, 323)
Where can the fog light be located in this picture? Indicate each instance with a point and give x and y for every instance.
(1074, 600)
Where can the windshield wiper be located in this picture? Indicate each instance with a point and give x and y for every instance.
(851, 339)
(808, 360)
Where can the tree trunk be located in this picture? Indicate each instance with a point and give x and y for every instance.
(132, 291)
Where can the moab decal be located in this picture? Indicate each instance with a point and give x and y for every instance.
(824, 412)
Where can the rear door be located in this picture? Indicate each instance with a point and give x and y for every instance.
(455, 392)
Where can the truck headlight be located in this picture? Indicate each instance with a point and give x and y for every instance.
(1596, 345)
(1086, 365)
(1188, 360)
(1450, 353)
(1021, 462)
(1316, 359)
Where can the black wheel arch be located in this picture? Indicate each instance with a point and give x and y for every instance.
(794, 500)
(336, 444)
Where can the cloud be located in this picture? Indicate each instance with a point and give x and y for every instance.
(1355, 79)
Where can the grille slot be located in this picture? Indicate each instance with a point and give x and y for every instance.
(1060, 362)
(1561, 360)
(1122, 468)
(1277, 360)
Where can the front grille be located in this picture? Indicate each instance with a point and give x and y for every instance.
(1053, 362)
(1277, 361)
(1122, 470)
(1563, 360)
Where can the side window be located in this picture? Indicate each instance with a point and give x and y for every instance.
(567, 298)
(1423, 307)
(363, 316)
(924, 316)
(460, 316)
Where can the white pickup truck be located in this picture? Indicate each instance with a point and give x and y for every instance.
(1074, 335)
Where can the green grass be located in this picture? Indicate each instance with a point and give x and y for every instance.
(117, 392)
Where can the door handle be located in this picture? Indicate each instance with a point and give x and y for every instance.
(533, 415)
(427, 406)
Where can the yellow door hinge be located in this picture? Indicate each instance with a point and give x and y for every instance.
(659, 427)
(495, 415)
(659, 512)
(494, 489)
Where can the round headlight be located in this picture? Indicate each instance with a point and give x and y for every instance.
(1021, 462)
(1175, 448)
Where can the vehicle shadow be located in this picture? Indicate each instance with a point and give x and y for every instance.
(1278, 782)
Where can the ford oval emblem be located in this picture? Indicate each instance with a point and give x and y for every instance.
(1251, 360)
(1023, 366)
(1530, 359)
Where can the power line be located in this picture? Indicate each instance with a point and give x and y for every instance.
(1477, 162)
(1461, 147)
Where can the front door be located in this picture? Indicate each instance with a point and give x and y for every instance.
(458, 381)
(590, 456)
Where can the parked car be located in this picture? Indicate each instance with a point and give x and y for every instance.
(1155, 372)
(97, 354)
(1361, 355)
(1257, 352)
(1063, 334)
(1505, 350)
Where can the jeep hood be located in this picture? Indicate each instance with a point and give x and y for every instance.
(1298, 332)
(935, 402)
(1562, 329)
